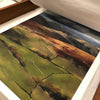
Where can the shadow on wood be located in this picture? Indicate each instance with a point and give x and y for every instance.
(15, 10)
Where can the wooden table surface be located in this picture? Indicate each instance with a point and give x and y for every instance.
(15, 10)
(20, 8)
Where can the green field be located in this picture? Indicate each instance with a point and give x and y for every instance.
(31, 68)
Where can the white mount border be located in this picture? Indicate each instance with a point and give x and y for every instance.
(90, 83)
(7, 92)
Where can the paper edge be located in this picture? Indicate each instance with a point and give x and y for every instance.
(6, 26)
(7, 92)
(89, 85)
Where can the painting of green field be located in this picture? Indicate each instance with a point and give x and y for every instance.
(41, 58)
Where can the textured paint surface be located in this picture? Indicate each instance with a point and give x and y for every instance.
(46, 57)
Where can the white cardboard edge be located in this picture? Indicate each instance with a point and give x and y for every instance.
(7, 92)
(20, 19)
(88, 86)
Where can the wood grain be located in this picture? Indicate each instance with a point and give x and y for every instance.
(15, 10)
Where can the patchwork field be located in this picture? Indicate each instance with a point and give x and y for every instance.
(41, 62)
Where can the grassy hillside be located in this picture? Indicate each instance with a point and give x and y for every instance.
(35, 63)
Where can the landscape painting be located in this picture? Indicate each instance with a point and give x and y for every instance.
(47, 57)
